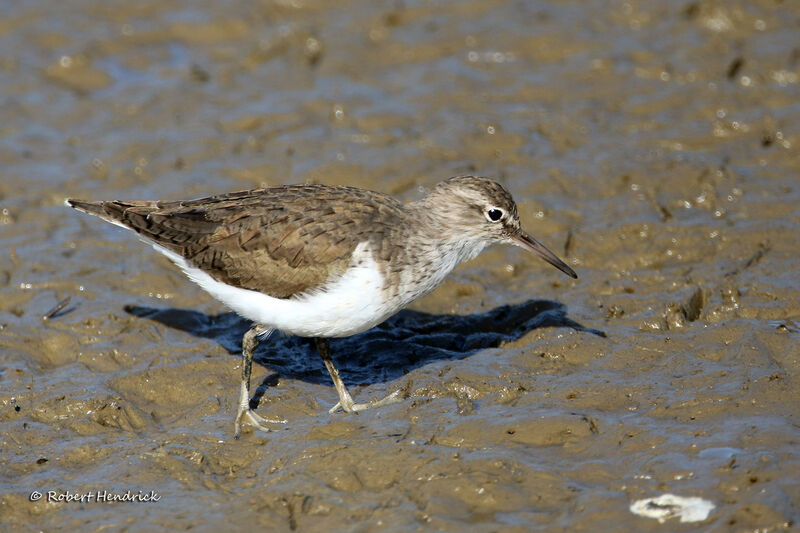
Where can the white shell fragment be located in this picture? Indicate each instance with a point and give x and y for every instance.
(667, 506)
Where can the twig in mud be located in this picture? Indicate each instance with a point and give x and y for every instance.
(764, 247)
(756, 257)
(55, 311)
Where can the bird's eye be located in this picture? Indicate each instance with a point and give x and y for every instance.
(494, 214)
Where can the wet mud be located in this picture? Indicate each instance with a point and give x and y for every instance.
(654, 146)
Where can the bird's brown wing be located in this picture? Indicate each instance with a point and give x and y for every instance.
(280, 240)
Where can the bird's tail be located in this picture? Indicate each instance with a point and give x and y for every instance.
(93, 208)
(113, 212)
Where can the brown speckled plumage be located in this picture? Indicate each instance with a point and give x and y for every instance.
(278, 240)
(285, 240)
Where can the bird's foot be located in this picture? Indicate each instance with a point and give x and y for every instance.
(347, 404)
(250, 418)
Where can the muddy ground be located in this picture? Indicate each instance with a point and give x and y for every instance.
(654, 145)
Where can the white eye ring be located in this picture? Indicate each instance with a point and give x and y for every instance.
(494, 214)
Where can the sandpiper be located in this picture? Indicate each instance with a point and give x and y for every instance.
(322, 261)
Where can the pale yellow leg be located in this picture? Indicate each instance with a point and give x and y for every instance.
(244, 414)
(346, 402)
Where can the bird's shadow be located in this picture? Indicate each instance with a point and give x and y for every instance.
(405, 341)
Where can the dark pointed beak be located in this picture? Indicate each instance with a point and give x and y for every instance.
(532, 245)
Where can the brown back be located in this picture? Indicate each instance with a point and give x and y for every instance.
(279, 240)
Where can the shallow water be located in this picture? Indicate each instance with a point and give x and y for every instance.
(652, 145)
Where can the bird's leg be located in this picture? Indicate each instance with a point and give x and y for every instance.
(346, 403)
(244, 413)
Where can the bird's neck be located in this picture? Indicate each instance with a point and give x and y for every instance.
(434, 248)
(440, 234)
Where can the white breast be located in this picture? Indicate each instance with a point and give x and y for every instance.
(351, 304)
